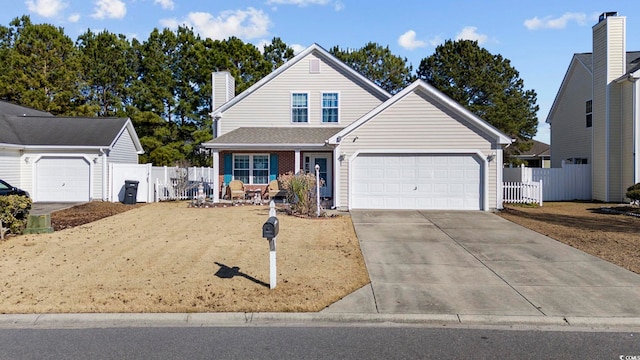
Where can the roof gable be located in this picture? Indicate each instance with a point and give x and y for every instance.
(433, 95)
(584, 61)
(319, 52)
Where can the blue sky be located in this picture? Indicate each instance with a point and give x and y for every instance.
(539, 37)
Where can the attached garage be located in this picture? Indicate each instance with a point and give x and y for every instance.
(65, 179)
(419, 150)
(63, 159)
(417, 181)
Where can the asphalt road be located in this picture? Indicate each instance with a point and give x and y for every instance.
(291, 342)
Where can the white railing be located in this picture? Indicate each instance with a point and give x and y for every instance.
(174, 183)
(523, 193)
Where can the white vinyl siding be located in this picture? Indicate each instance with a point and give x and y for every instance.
(124, 150)
(570, 137)
(600, 81)
(609, 63)
(270, 105)
(415, 124)
(627, 145)
(223, 88)
(10, 167)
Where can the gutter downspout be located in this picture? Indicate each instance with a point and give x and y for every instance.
(105, 184)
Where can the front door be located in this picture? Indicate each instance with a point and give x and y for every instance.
(323, 160)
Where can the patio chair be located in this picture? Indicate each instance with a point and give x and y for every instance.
(236, 190)
(274, 190)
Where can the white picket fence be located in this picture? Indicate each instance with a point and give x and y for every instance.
(570, 182)
(523, 193)
(174, 183)
(160, 183)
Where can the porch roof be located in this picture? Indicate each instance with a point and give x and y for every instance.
(274, 137)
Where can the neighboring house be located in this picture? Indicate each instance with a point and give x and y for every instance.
(595, 118)
(539, 156)
(417, 149)
(62, 159)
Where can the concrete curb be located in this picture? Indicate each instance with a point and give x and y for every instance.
(112, 320)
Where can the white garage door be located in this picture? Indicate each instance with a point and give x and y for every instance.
(415, 181)
(62, 179)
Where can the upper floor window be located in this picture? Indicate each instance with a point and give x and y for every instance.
(330, 107)
(589, 112)
(299, 107)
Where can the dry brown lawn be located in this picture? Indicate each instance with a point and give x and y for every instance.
(166, 257)
(612, 237)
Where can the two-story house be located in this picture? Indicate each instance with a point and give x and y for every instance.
(595, 116)
(417, 149)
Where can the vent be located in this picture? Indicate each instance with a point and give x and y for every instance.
(314, 66)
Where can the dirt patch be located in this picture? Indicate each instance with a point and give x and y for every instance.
(610, 236)
(86, 213)
(167, 257)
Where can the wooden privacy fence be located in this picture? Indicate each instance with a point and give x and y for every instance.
(570, 182)
(522, 193)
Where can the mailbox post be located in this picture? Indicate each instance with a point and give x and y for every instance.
(270, 230)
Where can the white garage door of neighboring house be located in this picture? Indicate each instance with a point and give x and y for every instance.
(64, 179)
(417, 181)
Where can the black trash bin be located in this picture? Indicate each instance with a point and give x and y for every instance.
(130, 192)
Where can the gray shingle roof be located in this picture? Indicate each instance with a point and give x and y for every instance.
(538, 149)
(633, 60)
(59, 131)
(275, 135)
(7, 108)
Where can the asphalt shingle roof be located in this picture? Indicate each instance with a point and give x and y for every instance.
(633, 60)
(7, 108)
(59, 131)
(276, 135)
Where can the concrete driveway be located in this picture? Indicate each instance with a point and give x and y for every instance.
(476, 263)
(41, 208)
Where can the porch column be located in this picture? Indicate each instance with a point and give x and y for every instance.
(216, 175)
(499, 177)
(296, 170)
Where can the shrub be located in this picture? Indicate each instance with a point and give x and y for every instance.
(633, 193)
(14, 211)
(301, 192)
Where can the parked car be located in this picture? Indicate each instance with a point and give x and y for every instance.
(6, 189)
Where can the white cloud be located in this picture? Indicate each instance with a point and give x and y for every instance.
(408, 41)
(74, 18)
(245, 24)
(165, 4)
(297, 48)
(46, 8)
(436, 40)
(112, 9)
(471, 33)
(555, 23)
